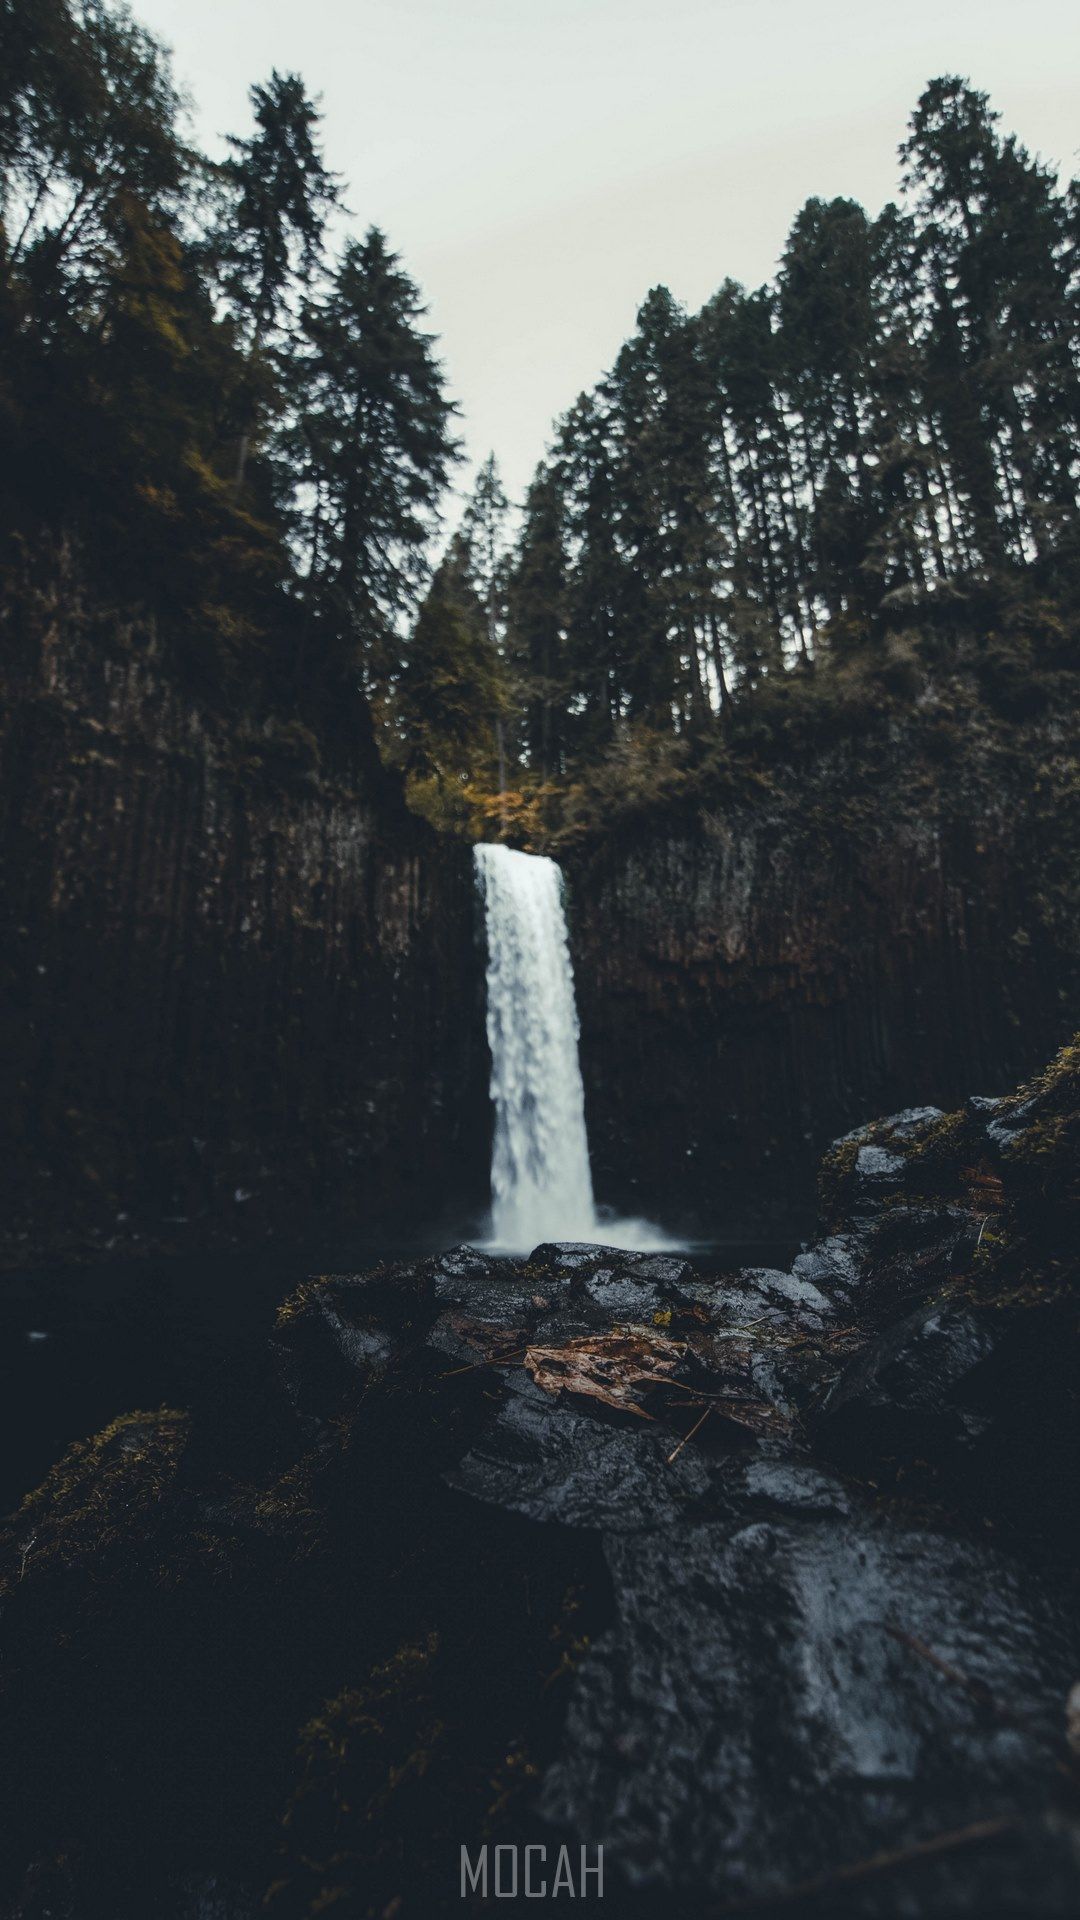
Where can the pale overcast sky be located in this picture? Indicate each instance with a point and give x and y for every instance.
(540, 166)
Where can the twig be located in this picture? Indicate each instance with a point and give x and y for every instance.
(978, 1689)
(698, 1424)
(481, 1366)
(884, 1862)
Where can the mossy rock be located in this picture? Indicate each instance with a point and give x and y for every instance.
(835, 1179)
(98, 1503)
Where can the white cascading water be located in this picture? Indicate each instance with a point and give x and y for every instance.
(541, 1186)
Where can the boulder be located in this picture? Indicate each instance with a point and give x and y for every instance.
(914, 1387)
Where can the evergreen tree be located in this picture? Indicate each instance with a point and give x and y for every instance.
(451, 681)
(375, 439)
(137, 345)
(665, 512)
(1001, 367)
(826, 321)
(279, 194)
(486, 547)
(536, 596)
(596, 581)
(754, 479)
(88, 125)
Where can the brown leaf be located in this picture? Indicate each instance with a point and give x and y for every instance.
(492, 1343)
(607, 1366)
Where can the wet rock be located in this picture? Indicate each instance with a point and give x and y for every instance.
(553, 1462)
(757, 1296)
(791, 1291)
(876, 1167)
(833, 1265)
(338, 1343)
(791, 1378)
(911, 1123)
(665, 1269)
(1009, 1128)
(460, 1263)
(569, 1256)
(912, 1386)
(623, 1294)
(799, 1675)
(777, 1699)
(793, 1486)
(495, 1290)
(475, 1341)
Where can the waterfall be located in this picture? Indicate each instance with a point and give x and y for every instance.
(541, 1186)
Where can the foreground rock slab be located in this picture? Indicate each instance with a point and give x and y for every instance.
(764, 1582)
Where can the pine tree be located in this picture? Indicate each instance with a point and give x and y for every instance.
(536, 611)
(88, 125)
(597, 589)
(486, 547)
(754, 479)
(1001, 366)
(278, 197)
(374, 437)
(665, 512)
(826, 319)
(451, 681)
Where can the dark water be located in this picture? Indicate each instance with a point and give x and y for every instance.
(80, 1345)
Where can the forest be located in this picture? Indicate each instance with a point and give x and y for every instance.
(771, 516)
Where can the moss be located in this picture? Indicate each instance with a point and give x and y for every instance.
(1029, 1256)
(1045, 1157)
(296, 1304)
(292, 1506)
(367, 1745)
(374, 1766)
(997, 1216)
(395, 1772)
(834, 1182)
(99, 1498)
(942, 1146)
(951, 1164)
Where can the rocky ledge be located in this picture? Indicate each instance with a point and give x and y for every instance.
(764, 1582)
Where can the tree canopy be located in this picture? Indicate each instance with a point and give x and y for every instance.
(233, 406)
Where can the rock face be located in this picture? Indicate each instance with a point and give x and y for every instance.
(762, 1581)
(860, 931)
(240, 983)
(237, 985)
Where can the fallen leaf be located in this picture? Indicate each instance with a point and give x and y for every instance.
(607, 1366)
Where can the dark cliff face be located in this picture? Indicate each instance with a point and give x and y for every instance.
(236, 988)
(754, 978)
(240, 986)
